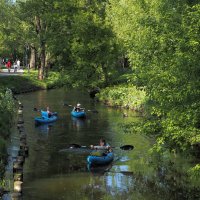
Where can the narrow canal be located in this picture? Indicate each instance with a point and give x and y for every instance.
(53, 174)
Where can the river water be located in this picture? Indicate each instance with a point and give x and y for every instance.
(53, 172)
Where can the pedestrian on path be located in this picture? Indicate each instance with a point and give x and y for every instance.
(18, 64)
(8, 65)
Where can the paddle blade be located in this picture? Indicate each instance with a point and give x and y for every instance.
(66, 104)
(94, 111)
(127, 147)
(74, 146)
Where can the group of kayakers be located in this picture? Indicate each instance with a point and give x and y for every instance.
(103, 147)
(76, 108)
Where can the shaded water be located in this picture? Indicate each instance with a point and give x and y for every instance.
(51, 174)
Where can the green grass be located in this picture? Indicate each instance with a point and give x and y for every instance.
(29, 82)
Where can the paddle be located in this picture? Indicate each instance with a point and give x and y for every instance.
(94, 111)
(65, 104)
(126, 147)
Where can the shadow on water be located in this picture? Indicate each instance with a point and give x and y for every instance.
(52, 174)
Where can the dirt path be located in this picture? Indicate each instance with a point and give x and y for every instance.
(4, 72)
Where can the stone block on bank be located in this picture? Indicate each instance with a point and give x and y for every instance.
(18, 177)
(18, 186)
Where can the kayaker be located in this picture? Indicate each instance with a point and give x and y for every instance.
(78, 108)
(102, 149)
(102, 145)
(49, 112)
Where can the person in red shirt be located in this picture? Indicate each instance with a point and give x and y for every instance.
(8, 65)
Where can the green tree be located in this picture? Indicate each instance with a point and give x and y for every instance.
(9, 30)
(161, 38)
(93, 46)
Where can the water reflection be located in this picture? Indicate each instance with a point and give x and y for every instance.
(115, 180)
(118, 183)
(99, 170)
(77, 123)
(110, 180)
(44, 128)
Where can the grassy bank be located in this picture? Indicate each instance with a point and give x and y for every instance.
(7, 110)
(29, 82)
(125, 96)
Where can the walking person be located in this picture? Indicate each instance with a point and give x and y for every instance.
(18, 64)
(8, 65)
(15, 66)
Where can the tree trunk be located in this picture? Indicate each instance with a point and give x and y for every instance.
(42, 61)
(105, 71)
(33, 58)
(47, 64)
(40, 27)
(40, 73)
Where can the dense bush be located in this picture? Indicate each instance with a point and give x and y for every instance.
(123, 96)
(7, 108)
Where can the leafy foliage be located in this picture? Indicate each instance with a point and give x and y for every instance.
(7, 108)
(162, 42)
(123, 96)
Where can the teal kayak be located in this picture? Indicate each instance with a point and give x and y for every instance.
(80, 114)
(45, 120)
(100, 160)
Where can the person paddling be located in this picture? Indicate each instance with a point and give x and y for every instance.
(102, 145)
(50, 114)
(78, 108)
(102, 149)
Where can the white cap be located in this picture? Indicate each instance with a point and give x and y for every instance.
(78, 104)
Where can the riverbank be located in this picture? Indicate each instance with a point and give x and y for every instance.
(28, 82)
(124, 96)
(7, 110)
(9, 85)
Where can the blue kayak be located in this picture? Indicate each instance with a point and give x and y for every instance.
(45, 120)
(100, 160)
(80, 114)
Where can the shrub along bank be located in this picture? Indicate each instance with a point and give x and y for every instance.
(7, 110)
(125, 96)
